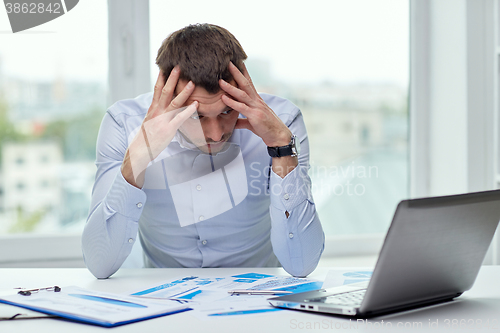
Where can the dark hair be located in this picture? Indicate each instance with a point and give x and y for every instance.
(203, 52)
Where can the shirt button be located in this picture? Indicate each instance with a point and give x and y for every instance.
(201, 218)
(204, 242)
(198, 187)
(286, 196)
(130, 240)
(139, 205)
(290, 235)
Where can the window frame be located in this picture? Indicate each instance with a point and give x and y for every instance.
(474, 26)
(25, 250)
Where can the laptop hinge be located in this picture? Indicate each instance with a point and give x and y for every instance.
(404, 307)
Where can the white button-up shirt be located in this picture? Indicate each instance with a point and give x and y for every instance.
(201, 210)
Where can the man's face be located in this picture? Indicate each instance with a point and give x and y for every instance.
(210, 129)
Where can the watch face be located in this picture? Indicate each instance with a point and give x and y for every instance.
(297, 145)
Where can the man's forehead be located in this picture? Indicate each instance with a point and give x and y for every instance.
(198, 89)
(207, 102)
(205, 109)
(203, 97)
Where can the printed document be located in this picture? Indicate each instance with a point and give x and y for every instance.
(98, 308)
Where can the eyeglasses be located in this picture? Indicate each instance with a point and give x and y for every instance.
(33, 291)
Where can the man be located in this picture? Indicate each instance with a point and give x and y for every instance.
(205, 170)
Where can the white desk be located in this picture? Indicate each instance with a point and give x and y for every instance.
(482, 302)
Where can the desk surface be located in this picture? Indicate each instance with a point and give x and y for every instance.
(481, 303)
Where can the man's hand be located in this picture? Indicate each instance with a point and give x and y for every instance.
(260, 118)
(164, 117)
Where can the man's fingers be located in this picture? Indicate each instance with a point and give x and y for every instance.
(245, 72)
(160, 82)
(168, 89)
(182, 116)
(162, 128)
(238, 106)
(181, 99)
(238, 94)
(241, 80)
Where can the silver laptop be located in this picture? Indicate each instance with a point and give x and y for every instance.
(431, 254)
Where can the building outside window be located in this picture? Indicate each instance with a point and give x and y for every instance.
(53, 94)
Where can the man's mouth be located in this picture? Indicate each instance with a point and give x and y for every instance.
(216, 144)
(210, 145)
(215, 147)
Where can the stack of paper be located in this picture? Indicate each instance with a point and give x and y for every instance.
(210, 297)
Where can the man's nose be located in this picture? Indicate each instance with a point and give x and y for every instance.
(213, 130)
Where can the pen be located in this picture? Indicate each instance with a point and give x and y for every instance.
(258, 292)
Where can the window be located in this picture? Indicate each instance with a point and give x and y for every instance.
(53, 95)
(345, 64)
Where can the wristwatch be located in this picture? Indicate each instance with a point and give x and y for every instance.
(292, 149)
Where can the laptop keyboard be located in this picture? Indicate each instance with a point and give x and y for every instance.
(352, 298)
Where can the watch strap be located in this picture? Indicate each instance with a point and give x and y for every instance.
(280, 151)
(288, 150)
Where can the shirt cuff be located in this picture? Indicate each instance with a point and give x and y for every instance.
(126, 199)
(290, 191)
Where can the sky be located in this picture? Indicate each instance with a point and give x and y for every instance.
(344, 41)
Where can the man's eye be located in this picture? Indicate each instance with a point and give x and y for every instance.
(226, 112)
